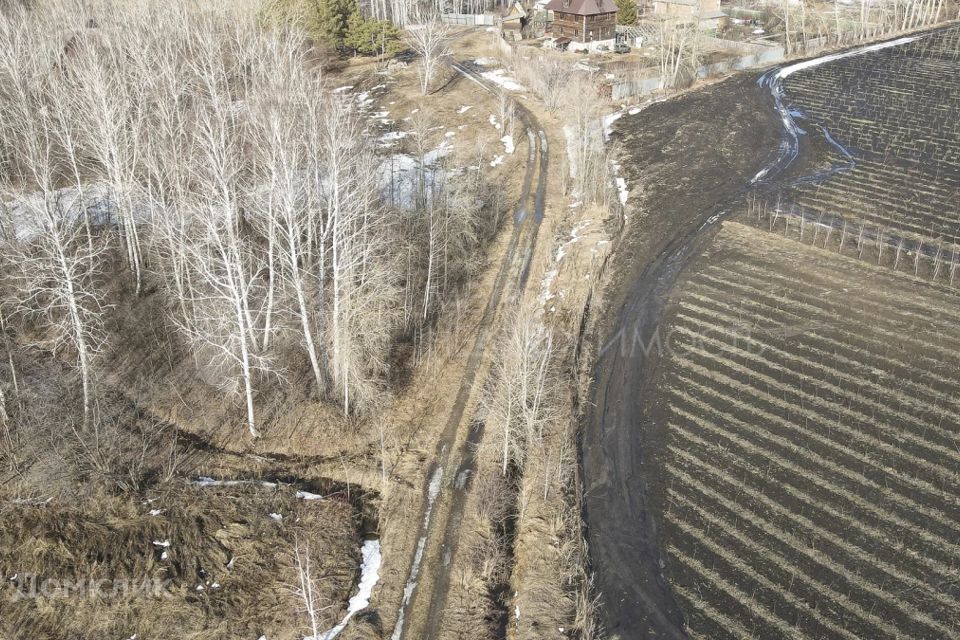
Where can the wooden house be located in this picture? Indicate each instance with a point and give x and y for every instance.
(584, 20)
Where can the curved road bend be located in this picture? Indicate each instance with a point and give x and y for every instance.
(714, 138)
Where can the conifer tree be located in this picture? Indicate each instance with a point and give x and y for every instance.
(626, 12)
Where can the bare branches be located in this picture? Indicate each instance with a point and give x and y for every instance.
(518, 406)
(430, 38)
(202, 152)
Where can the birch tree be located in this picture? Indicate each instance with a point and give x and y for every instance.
(517, 404)
(52, 263)
(430, 39)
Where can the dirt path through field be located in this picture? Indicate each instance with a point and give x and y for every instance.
(444, 499)
(684, 158)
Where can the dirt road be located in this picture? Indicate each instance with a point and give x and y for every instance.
(421, 610)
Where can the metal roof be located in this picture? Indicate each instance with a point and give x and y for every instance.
(583, 7)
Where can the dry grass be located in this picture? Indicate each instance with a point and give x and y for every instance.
(228, 563)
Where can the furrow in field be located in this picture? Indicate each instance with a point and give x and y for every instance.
(893, 501)
(878, 435)
(787, 538)
(818, 348)
(883, 408)
(849, 553)
(798, 607)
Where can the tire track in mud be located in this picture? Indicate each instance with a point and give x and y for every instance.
(447, 490)
(622, 529)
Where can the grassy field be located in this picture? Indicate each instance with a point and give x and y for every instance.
(812, 405)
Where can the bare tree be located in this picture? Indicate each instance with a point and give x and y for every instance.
(52, 262)
(430, 38)
(306, 589)
(517, 405)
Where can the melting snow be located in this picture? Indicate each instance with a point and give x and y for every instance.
(343, 88)
(433, 490)
(306, 495)
(465, 108)
(392, 136)
(497, 76)
(496, 161)
(276, 516)
(608, 123)
(485, 62)
(507, 143)
(204, 481)
(369, 575)
(622, 190)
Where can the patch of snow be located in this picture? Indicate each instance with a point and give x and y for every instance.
(205, 481)
(465, 108)
(164, 556)
(393, 136)
(343, 89)
(608, 123)
(497, 161)
(155, 512)
(163, 544)
(758, 32)
(634, 111)
(276, 516)
(499, 77)
(433, 490)
(380, 114)
(622, 190)
(485, 62)
(399, 175)
(807, 64)
(306, 495)
(449, 134)
(369, 575)
(507, 143)
(493, 121)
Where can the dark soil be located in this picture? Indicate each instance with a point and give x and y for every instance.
(684, 159)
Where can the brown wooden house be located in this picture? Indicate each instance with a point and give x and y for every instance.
(584, 20)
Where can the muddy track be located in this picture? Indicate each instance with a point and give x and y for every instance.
(444, 499)
(623, 486)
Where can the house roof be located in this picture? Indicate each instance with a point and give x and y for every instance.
(516, 12)
(583, 7)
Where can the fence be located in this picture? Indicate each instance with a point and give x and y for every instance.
(469, 19)
(755, 55)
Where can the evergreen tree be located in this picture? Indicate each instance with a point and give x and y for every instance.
(626, 12)
(372, 37)
(327, 20)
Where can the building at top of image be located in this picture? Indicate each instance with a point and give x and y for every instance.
(705, 12)
(584, 22)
